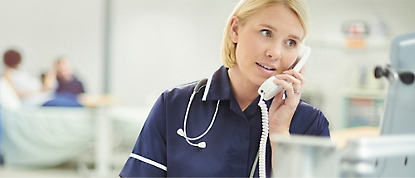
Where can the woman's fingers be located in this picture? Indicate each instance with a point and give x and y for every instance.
(292, 82)
(297, 75)
(289, 82)
(281, 111)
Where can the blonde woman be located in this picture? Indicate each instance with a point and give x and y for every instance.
(212, 128)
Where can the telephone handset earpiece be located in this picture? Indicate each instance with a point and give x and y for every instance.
(269, 89)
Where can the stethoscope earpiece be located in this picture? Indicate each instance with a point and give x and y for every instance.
(202, 145)
(180, 132)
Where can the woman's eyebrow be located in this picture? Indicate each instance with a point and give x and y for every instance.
(294, 37)
(274, 29)
(269, 26)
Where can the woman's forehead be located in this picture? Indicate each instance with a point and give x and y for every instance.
(277, 17)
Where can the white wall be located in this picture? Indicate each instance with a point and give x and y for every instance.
(159, 44)
(45, 29)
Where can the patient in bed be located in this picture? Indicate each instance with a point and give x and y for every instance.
(31, 90)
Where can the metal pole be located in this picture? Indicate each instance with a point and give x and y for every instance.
(103, 150)
(107, 47)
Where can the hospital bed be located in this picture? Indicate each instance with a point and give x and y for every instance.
(41, 137)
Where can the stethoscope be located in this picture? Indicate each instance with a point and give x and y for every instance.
(182, 132)
(261, 155)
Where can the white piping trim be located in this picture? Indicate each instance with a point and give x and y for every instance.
(148, 161)
(207, 88)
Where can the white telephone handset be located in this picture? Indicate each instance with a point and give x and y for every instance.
(269, 88)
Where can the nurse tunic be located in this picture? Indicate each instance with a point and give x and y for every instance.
(231, 143)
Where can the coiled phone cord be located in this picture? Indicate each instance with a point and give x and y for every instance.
(264, 137)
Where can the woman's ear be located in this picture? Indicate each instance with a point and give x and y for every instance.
(233, 29)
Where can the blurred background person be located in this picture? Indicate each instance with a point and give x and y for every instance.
(30, 89)
(67, 82)
(68, 87)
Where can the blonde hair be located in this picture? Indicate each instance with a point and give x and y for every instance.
(248, 8)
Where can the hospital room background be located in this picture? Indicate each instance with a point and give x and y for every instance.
(126, 52)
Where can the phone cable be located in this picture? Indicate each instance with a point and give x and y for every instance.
(264, 137)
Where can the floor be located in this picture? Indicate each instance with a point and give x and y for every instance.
(72, 169)
(65, 171)
(50, 172)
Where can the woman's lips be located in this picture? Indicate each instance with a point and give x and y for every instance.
(266, 69)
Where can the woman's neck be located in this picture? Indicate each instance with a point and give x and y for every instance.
(244, 90)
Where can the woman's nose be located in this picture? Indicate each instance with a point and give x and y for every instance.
(274, 51)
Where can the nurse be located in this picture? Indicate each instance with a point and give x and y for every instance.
(212, 128)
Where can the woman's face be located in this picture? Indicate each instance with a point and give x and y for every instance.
(267, 44)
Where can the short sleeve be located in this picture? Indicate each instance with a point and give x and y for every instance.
(308, 120)
(323, 125)
(148, 158)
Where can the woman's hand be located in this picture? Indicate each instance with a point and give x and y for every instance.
(281, 111)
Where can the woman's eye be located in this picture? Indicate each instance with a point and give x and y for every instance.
(266, 33)
(291, 43)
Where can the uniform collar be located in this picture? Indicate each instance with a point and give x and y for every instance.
(218, 86)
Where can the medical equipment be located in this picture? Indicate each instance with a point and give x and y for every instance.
(392, 154)
(384, 156)
(303, 156)
(182, 132)
(308, 156)
(399, 113)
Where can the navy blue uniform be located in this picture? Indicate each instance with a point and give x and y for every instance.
(231, 144)
(67, 93)
(74, 86)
